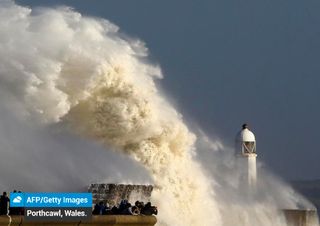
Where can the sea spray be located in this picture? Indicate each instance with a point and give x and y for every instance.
(142, 124)
(57, 66)
(62, 67)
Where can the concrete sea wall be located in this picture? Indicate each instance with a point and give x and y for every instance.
(293, 217)
(109, 220)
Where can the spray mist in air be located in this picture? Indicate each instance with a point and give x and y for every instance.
(57, 66)
(63, 67)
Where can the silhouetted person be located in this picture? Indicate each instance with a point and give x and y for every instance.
(140, 205)
(4, 204)
(134, 210)
(126, 209)
(114, 210)
(99, 209)
(123, 205)
(149, 210)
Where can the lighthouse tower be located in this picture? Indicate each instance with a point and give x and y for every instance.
(246, 152)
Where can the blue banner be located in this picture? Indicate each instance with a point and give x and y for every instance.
(51, 199)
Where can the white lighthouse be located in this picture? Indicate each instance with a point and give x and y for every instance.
(246, 152)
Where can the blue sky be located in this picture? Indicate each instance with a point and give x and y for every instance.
(229, 62)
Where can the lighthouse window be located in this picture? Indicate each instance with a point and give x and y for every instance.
(249, 147)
